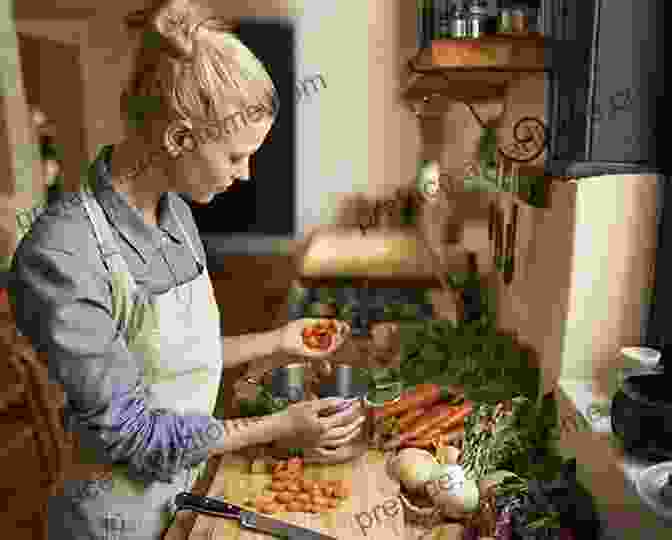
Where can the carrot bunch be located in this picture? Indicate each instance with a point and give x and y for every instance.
(421, 415)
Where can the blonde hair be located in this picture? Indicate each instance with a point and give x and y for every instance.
(190, 65)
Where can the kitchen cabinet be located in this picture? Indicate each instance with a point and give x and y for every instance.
(606, 89)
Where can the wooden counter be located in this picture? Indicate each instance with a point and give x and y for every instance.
(373, 511)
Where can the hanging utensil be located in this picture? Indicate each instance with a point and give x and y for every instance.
(510, 263)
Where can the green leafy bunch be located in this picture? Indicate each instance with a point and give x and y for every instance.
(490, 366)
(521, 440)
(264, 403)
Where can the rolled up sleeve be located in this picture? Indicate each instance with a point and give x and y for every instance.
(63, 303)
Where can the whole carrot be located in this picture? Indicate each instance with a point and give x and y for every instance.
(440, 430)
(428, 442)
(443, 414)
(422, 395)
(411, 416)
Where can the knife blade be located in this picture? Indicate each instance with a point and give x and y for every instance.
(218, 507)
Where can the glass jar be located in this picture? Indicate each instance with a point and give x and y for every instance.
(519, 19)
(478, 16)
(458, 22)
(505, 21)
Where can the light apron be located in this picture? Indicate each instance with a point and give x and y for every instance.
(175, 337)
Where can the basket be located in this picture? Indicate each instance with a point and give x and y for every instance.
(424, 516)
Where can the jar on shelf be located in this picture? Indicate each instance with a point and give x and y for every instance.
(477, 20)
(519, 19)
(505, 21)
(458, 22)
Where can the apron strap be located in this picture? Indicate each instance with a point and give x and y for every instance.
(108, 246)
(201, 264)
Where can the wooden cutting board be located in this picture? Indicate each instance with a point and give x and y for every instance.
(372, 512)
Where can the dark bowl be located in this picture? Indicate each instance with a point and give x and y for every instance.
(641, 415)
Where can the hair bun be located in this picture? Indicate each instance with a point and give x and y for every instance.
(175, 20)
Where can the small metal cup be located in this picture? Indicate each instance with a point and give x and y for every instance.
(339, 382)
(289, 381)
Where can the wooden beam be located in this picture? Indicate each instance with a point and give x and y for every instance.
(19, 158)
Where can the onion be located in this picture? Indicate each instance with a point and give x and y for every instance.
(412, 467)
(452, 492)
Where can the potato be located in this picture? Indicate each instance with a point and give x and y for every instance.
(303, 498)
(285, 497)
(320, 509)
(295, 506)
(280, 466)
(332, 503)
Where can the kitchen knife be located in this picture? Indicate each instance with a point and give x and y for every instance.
(215, 506)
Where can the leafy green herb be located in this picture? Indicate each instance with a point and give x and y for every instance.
(263, 404)
(520, 440)
(295, 452)
(492, 367)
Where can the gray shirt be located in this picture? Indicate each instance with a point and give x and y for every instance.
(63, 302)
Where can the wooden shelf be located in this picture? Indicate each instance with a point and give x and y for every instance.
(475, 69)
(396, 282)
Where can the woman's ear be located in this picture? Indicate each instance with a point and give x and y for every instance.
(179, 138)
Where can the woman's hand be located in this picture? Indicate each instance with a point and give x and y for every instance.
(305, 425)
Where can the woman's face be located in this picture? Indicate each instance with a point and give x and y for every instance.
(212, 167)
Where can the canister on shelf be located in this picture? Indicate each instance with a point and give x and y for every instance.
(478, 15)
(519, 19)
(458, 21)
(444, 20)
(504, 21)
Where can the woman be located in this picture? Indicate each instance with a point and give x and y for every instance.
(111, 283)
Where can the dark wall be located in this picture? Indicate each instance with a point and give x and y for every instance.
(266, 204)
(607, 96)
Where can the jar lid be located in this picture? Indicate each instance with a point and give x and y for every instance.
(650, 484)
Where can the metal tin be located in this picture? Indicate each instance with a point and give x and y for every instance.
(339, 383)
(289, 382)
